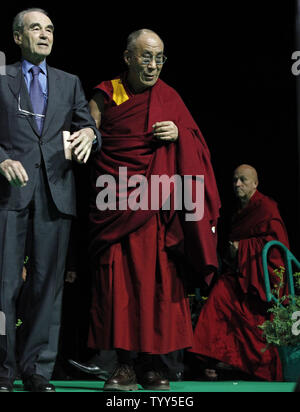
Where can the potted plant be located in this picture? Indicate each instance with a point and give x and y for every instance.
(280, 330)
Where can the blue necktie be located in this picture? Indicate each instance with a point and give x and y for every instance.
(37, 97)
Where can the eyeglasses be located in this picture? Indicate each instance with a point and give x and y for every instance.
(26, 113)
(159, 60)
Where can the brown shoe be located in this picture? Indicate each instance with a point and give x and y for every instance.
(155, 381)
(122, 379)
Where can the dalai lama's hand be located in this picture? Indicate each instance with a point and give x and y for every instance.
(166, 131)
(233, 248)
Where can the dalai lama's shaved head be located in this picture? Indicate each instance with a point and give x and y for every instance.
(133, 37)
(245, 182)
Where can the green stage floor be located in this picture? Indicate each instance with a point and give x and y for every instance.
(228, 386)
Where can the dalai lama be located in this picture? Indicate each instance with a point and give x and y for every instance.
(139, 298)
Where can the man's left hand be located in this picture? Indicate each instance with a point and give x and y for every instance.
(81, 145)
(166, 131)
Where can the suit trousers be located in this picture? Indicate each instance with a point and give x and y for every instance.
(33, 345)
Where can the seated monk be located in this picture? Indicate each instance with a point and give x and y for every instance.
(139, 299)
(227, 330)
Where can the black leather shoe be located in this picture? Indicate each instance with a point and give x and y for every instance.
(86, 367)
(123, 379)
(90, 369)
(37, 383)
(155, 381)
(6, 387)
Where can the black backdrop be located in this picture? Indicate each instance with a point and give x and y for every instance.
(230, 61)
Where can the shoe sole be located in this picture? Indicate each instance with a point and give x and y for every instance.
(30, 389)
(156, 388)
(121, 388)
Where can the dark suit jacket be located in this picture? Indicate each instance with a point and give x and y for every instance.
(67, 110)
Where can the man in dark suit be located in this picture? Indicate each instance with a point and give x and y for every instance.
(37, 104)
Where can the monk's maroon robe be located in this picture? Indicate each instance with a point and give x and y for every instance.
(139, 302)
(227, 329)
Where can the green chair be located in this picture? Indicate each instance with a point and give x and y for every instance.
(289, 355)
(289, 260)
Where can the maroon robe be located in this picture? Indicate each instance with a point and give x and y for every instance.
(139, 301)
(227, 329)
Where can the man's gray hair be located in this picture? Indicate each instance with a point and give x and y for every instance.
(18, 23)
(132, 38)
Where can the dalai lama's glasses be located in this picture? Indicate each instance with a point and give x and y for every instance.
(159, 60)
(26, 113)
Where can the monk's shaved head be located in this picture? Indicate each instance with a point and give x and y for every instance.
(249, 170)
(137, 35)
(245, 182)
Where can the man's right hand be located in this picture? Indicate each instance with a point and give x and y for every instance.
(14, 172)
